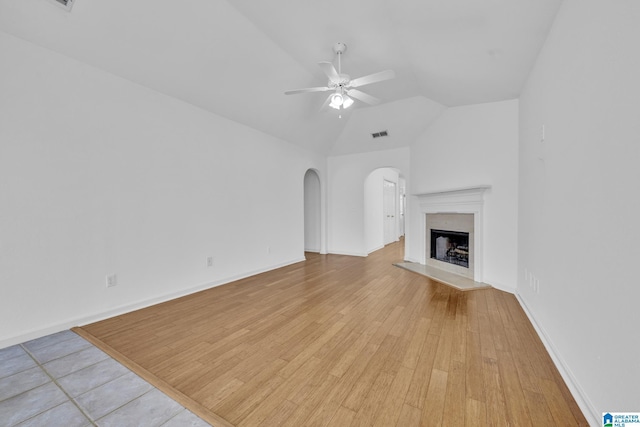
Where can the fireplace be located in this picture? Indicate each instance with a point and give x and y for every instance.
(450, 246)
(458, 210)
(450, 242)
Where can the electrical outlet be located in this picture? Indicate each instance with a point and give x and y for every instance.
(112, 280)
(268, 249)
(531, 280)
(209, 261)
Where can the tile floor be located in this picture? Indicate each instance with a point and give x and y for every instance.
(63, 380)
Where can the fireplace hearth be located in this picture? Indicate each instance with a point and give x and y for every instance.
(450, 246)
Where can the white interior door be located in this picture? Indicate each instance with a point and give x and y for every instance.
(389, 211)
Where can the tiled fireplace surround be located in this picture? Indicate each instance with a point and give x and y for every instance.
(458, 210)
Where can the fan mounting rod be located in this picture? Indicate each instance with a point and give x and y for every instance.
(339, 49)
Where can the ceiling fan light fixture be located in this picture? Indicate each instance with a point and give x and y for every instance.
(336, 101)
(341, 84)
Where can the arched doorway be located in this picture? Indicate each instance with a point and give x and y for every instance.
(312, 209)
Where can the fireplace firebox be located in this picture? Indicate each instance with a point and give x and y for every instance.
(450, 246)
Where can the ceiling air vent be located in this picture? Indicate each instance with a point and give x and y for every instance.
(65, 4)
(379, 134)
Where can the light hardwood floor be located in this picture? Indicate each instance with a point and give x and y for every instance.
(345, 341)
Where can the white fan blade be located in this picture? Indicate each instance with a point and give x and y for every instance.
(373, 78)
(326, 103)
(330, 71)
(361, 96)
(309, 89)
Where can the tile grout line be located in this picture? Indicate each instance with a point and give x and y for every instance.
(113, 379)
(204, 414)
(125, 404)
(71, 399)
(18, 373)
(91, 420)
(173, 416)
(38, 365)
(136, 398)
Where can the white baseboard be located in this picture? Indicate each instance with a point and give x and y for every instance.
(377, 248)
(502, 287)
(593, 417)
(87, 319)
(348, 253)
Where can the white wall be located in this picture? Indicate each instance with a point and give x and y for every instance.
(101, 176)
(579, 200)
(465, 147)
(374, 206)
(347, 175)
(312, 211)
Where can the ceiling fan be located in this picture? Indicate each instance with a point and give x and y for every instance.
(342, 86)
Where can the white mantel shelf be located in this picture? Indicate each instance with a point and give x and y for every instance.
(476, 189)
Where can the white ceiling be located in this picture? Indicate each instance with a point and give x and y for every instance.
(237, 57)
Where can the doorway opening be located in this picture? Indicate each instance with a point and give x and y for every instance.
(312, 211)
(389, 212)
(384, 209)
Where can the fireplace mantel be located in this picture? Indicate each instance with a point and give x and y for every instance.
(455, 197)
(468, 200)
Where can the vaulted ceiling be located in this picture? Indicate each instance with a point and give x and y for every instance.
(236, 58)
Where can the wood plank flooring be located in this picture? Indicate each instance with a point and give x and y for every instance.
(345, 341)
